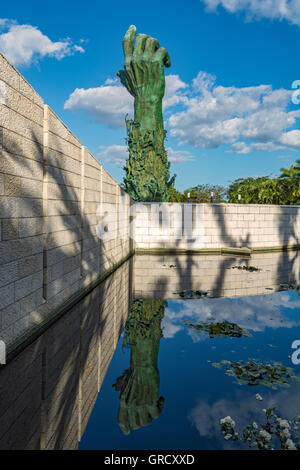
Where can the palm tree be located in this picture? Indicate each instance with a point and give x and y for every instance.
(290, 179)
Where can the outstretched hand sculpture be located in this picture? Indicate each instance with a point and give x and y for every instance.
(139, 385)
(147, 168)
(144, 77)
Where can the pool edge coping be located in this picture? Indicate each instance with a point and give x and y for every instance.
(244, 251)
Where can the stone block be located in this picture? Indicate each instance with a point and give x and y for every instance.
(8, 73)
(59, 160)
(30, 265)
(19, 166)
(8, 273)
(30, 226)
(6, 298)
(22, 187)
(10, 229)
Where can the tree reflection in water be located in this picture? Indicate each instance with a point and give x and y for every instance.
(139, 385)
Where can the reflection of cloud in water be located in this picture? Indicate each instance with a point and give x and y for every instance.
(169, 328)
(243, 409)
(253, 312)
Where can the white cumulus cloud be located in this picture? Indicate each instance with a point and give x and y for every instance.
(204, 114)
(240, 147)
(179, 156)
(254, 313)
(173, 95)
(256, 9)
(115, 154)
(24, 44)
(111, 102)
(249, 117)
(291, 139)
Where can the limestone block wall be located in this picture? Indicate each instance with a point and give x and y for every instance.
(214, 226)
(53, 195)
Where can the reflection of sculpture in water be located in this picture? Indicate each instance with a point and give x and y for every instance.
(139, 385)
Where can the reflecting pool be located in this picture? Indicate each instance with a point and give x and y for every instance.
(158, 354)
(165, 391)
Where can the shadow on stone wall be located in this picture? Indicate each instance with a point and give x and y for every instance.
(185, 270)
(287, 261)
(228, 241)
(288, 258)
(39, 408)
(44, 259)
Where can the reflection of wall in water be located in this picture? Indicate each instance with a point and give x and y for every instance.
(159, 276)
(48, 392)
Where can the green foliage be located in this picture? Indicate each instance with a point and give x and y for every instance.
(175, 196)
(202, 193)
(265, 190)
(290, 181)
(262, 190)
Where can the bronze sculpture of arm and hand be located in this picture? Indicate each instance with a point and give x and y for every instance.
(144, 77)
(147, 169)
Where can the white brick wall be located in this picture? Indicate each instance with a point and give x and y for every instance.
(213, 226)
(50, 190)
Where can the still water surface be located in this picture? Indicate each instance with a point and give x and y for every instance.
(89, 382)
(194, 395)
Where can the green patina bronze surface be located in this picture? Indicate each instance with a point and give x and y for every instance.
(139, 385)
(147, 168)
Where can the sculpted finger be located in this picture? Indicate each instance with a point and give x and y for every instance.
(123, 419)
(156, 409)
(162, 55)
(128, 42)
(133, 418)
(151, 46)
(145, 417)
(139, 45)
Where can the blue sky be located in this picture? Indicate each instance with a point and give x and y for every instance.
(228, 107)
